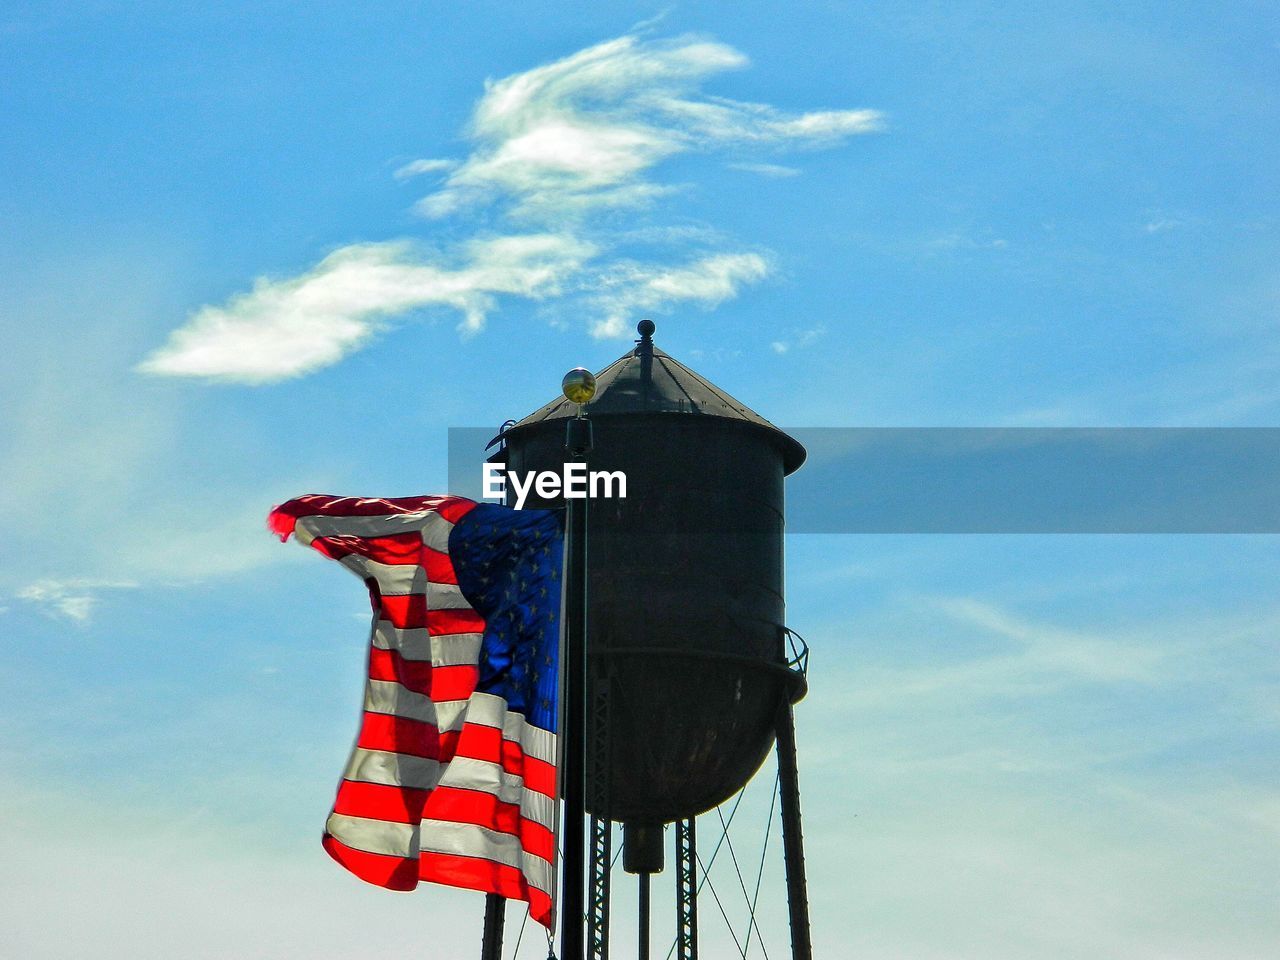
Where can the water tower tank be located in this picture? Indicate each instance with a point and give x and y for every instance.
(685, 610)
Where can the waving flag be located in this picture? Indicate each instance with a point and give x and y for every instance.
(453, 775)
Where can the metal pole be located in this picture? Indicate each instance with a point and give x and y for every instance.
(642, 952)
(686, 891)
(577, 445)
(598, 882)
(598, 908)
(792, 840)
(495, 909)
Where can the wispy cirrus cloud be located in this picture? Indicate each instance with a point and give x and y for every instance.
(416, 168)
(627, 288)
(287, 328)
(72, 599)
(802, 338)
(583, 132)
(556, 155)
(775, 170)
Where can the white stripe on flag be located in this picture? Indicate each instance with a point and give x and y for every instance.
(491, 711)
(387, 696)
(374, 836)
(469, 840)
(484, 776)
(412, 644)
(442, 650)
(402, 579)
(487, 709)
(435, 533)
(468, 773)
(393, 769)
(534, 741)
(435, 528)
(456, 649)
(394, 579)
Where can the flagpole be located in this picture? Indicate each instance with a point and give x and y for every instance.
(495, 908)
(579, 387)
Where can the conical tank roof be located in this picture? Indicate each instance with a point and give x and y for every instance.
(646, 380)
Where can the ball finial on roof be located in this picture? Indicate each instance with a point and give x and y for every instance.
(579, 385)
(645, 328)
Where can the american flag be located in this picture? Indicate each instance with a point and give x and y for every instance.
(453, 775)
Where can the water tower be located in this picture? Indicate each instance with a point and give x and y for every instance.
(691, 671)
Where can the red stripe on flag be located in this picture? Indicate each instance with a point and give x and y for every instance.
(403, 612)
(282, 523)
(440, 683)
(380, 801)
(476, 873)
(383, 731)
(410, 612)
(389, 665)
(283, 519)
(538, 840)
(393, 549)
(454, 509)
(400, 549)
(327, 505)
(394, 873)
(448, 745)
(444, 622)
(485, 810)
(540, 776)
(481, 742)
(472, 806)
(438, 566)
(454, 683)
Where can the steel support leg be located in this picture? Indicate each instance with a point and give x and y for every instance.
(598, 908)
(686, 891)
(792, 839)
(598, 766)
(642, 952)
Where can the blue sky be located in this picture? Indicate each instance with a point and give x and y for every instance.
(263, 250)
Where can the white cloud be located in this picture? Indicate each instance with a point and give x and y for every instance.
(559, 145)
(1051, 650)
(630, 288)
(997, 655)
(286, 328)
(582, 132)
(803, 338)
(957, 240)
(136, 500)
(1062, 743)
(766, 169)
(1163, 224)
(72, 599)
(419, 167)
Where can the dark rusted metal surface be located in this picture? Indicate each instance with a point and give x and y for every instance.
(685, 582)
(792, 836)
